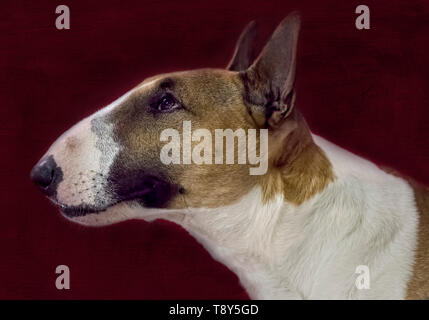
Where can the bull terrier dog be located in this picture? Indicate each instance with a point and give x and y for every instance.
(297, 229)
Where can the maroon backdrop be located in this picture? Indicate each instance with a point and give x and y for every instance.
(366, 90)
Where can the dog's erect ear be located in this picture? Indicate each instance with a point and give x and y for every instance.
(269, 80)
(243, 54)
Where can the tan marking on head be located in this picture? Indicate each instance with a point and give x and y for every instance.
(213, 99)
(219, 97)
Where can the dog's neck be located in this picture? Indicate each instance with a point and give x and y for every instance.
(300, 171)
(241, 234)
(249, 235)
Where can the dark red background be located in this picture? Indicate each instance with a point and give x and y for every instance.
(364, 90)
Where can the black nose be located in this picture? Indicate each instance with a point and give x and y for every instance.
(46, 175)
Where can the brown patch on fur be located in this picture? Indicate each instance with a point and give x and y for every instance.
(72, 142)
(299, 169)
(308, 175)
(418, 286)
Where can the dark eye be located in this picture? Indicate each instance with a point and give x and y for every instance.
(167, 103)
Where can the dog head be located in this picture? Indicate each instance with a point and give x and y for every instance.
(111, 160)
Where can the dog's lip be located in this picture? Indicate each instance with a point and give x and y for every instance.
(78, 211)
(143, 193)
(82, 210)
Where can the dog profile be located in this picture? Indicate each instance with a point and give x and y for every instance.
(299, 231)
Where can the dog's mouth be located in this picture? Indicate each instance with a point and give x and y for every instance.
(149, 192)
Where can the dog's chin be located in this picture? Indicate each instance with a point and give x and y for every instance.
(119, 212)
(90, 216)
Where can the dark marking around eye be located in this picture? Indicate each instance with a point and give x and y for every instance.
(164, 103)
(167, 84)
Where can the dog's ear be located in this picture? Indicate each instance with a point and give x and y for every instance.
(243, 54)
(269, 81)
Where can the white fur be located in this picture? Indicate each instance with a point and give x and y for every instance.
(83, 164)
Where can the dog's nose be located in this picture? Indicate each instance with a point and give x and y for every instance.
(46, 175)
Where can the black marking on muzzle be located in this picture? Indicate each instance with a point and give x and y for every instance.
(149, 190)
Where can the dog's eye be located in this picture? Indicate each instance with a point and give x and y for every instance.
(167, 103)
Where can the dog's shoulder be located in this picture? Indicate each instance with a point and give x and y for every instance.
(418, 286)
